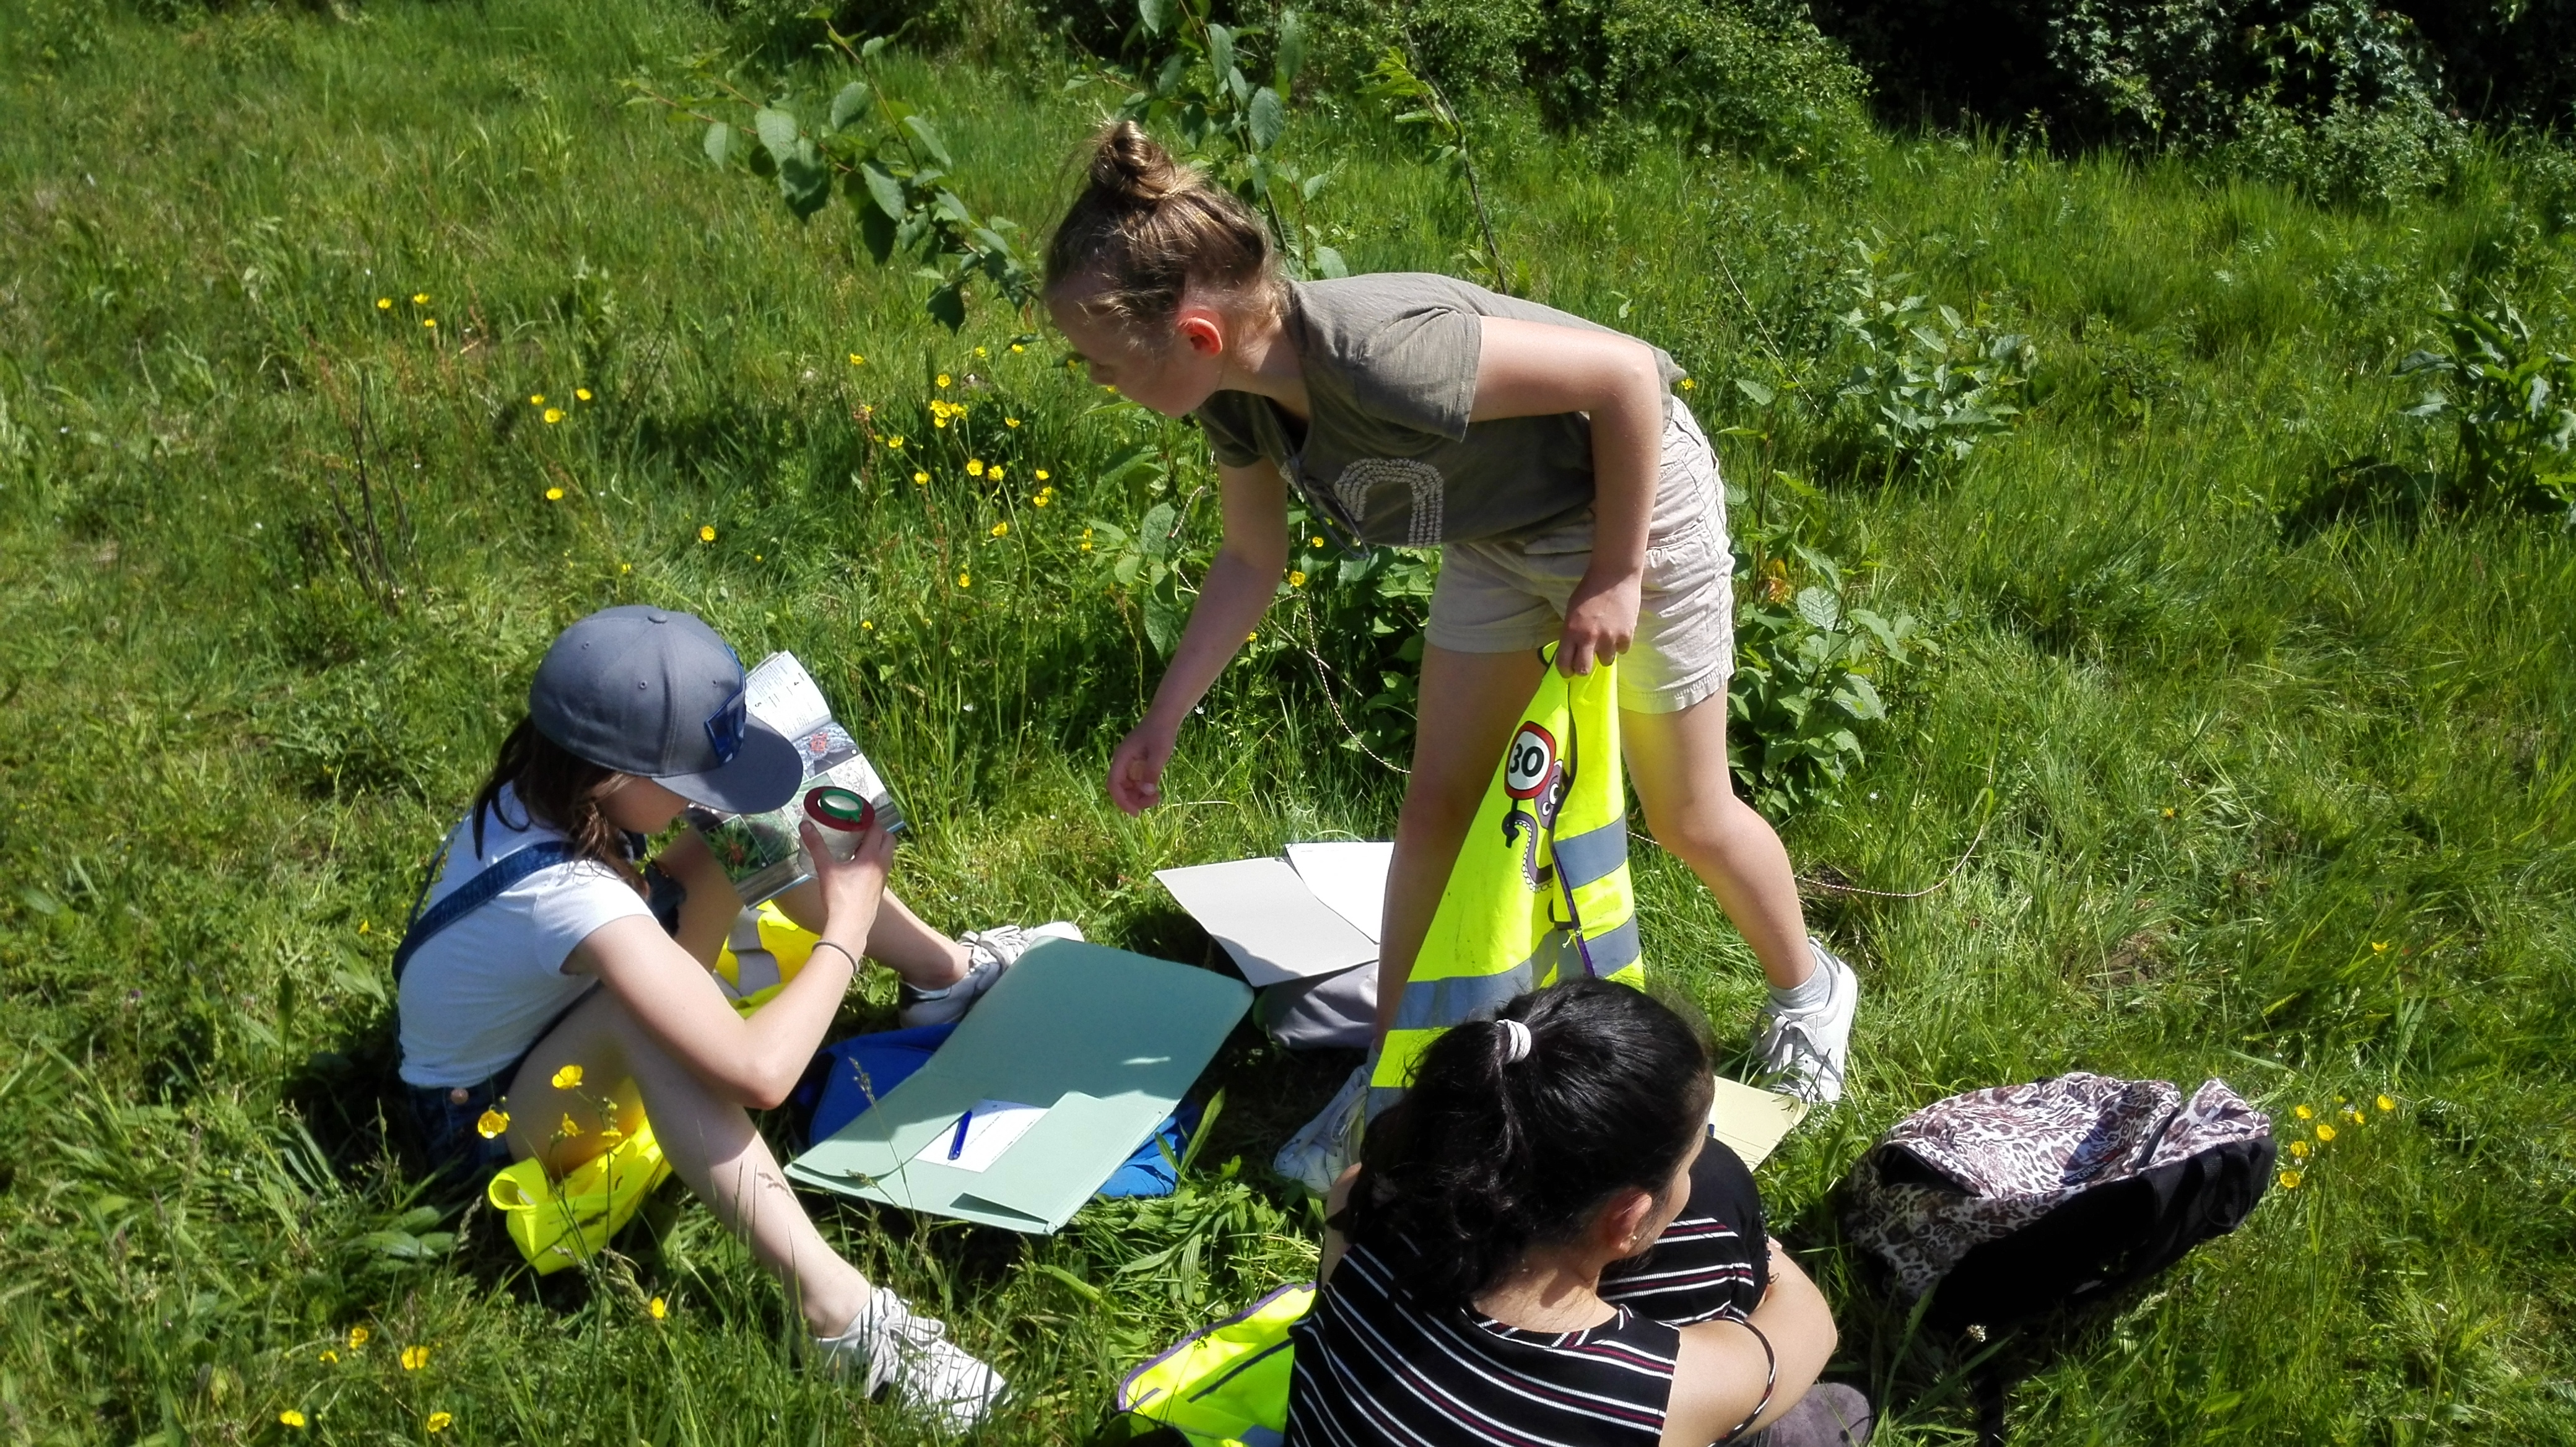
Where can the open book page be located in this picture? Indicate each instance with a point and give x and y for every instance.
(761, 853)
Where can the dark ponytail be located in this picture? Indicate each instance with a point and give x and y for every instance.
(1487, 1156)
(1147, 228)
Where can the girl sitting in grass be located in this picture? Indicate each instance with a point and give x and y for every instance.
(1574, 499)
(1543, 1244)
(538, 958)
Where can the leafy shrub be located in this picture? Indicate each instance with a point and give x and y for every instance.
(2511, 402)
(1804, 662)
(1747, 75)
(2505, 60)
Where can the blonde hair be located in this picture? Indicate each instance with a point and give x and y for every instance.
(1147, 229)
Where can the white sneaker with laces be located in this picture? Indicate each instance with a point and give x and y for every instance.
(988, 953)
(1804, 1052)
(1324, 1147)
(885, 1344)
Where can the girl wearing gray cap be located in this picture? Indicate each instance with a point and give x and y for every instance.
(635, 713)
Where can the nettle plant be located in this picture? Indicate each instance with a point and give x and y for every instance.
(1190, 83)
(884, 157)
(2511, 402)
(1805, 662)
(1925, 384)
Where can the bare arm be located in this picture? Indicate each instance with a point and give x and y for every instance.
(1533, 369)
(708, 912)
(1236, 592)
(1719, 1375)
(753, 1062)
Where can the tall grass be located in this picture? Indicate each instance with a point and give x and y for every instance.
(2287, 803)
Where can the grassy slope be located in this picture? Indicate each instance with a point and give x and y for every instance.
(2229, 762)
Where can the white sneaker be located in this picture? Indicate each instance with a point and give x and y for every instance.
(1324, 1147)
(1804, 1051)
(887, 1345)
(988, 954)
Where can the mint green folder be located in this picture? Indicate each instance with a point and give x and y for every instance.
(1106, 1041)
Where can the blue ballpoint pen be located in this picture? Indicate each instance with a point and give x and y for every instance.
(957, 1142)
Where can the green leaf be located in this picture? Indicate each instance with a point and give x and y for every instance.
(928, 135)
(850, 104)
(947, 306)
(1269, 118)
(877, 233)
(1154, 15)
(1761, 395)
(1164, 620)
(1329, 263)
(777, 131)
(885, 190)
(1819, 606)
(1154, 534)
(719, 143)
(1291, 35)
(804, 182)
(1220, 50)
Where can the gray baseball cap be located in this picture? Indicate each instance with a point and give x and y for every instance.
(648, 691)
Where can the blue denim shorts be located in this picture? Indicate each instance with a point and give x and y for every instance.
(447, 1119)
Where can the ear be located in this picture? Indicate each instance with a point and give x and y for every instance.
(1200, 331)
(1622, 1218)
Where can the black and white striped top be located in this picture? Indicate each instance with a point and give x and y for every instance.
(1375, 1364)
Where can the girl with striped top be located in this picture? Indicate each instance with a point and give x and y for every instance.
(1543, 1245)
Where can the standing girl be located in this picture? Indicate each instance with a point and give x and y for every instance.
(1575, 502)
(538, 973)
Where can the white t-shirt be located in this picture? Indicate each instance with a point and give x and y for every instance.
(481, 991)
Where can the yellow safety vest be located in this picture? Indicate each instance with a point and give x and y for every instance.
(1225, 1385)
(1540, 891)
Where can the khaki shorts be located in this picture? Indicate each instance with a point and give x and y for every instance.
(1505, 596)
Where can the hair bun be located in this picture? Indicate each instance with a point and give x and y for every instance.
(1128, 164)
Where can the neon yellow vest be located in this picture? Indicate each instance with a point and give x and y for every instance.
(1540, 892)
(1225, 1386)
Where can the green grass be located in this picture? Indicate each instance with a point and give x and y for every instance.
(2229, 758)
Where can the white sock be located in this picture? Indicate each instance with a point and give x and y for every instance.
(1808, 994)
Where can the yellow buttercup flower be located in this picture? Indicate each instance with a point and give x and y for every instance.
(625, 568)
(438, 1422)
(292, 1418)
(1688, 384)
(1042, 474)
(943, 379)
(568, 1078)
(2325, 1132)
(965, 581)
(429, 322)
(994, 472)
(2299, 1149)
(536, 399)
(2385, 1104)
(570, 1127)
(2168, 813)
(1045, 496)
(415, 1358)
(940, 421)
(1016, 347)
(420, 298)
(2290, 1180)
(1296, 579)
(707, 533)
(384, 303)
(358, 1337)
(857, 361)
(328, 1356)
(921, 479)
(489, 1126)
(1315, 542)
(1010, 421)
(581, 394)
(2379, 947)
(554, 415)
(974, 467)
(895, 442)
(658, 1308)
(2304, 1113)
(554, 494)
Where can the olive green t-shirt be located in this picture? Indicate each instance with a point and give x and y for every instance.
(1390, 363)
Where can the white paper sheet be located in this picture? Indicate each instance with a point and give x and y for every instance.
(1268, 920)
(991, 1127)
(1349, 878)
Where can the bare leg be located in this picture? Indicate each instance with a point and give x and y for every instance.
(1678, 763)
(925, 958)
(710, 1143)
(1469, 702)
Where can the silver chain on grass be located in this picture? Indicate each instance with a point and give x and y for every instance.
(1943, 883)
(1324, 676)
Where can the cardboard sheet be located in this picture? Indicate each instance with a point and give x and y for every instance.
(1350, 878)
(1752, 1121)
(1103, 1042)
(1268, 920)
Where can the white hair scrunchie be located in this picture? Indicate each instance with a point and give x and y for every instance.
(1519, 1036)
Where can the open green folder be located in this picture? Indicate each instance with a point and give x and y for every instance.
(1105, 1041)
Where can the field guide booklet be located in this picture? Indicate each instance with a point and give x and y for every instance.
(761, 852)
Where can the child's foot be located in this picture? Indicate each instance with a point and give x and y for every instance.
(1325, 1147)
(885, 1344)
(988, 954)
(1804, 1051)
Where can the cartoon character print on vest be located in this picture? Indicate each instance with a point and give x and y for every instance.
(1977, 1167)
(1535, 781)
(1416, 484)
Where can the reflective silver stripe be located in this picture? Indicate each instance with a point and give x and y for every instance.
(1615, 950)
(1592, 855)
(1440, 1003)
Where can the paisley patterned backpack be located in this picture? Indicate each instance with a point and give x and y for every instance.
(2008, 1203)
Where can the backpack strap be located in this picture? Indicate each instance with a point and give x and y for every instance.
(477, 892)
